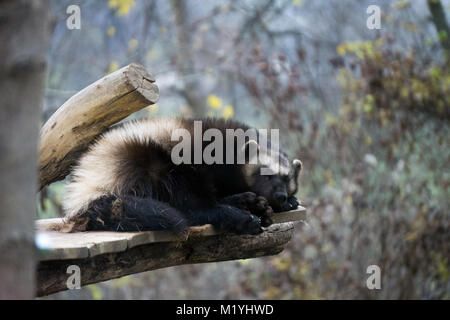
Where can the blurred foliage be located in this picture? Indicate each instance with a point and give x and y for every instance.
(122, 7)
(50, 201)
(391, 82)
(217, 109)
(366, 111)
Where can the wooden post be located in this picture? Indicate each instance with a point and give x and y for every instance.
(25, 39)
(88, 114)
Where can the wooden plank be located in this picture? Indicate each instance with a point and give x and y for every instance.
(62, 246)
(52, 274)
(288, 216)
(88, 114)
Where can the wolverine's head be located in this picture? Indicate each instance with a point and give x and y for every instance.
(274, 176)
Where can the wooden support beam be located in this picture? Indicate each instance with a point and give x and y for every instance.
(103, 256)
(88, 114)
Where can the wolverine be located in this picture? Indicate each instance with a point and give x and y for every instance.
(127, 181)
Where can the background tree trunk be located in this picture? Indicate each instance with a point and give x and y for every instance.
(185, 61)
(440, 22)
(24, 34)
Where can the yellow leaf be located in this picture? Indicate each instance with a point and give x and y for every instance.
(330, 119)
(402, 4)
(96, 292)
(367, 108)
(244, 261)
(152, 54)
(340, 49)
(228, 112)
(122, 7)
(348, 199)
(303, 269)
(113, 3)
(368, 140)
(111, 31)
(113, 66)
(329, 177)
(404, 92)
(133, 44)
(282, 263)
(124, 281)
(214, 101)
(326, 248)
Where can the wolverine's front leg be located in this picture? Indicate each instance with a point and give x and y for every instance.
(226, 217)
(249, 201)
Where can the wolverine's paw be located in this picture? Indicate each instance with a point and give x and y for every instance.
(291, 204)
(240, 200)
(256, 205)
(249, 225)
(260, 207)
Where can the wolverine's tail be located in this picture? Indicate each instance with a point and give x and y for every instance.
(126, 213)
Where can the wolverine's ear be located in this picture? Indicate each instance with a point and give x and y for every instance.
(250, 143)
(250, 149)
(297, 164)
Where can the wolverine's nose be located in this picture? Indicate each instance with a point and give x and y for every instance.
(280, 197)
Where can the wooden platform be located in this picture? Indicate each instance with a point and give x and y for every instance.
(54, 245)
(107, 255)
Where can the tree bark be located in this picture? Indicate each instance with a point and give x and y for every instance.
(24, 34)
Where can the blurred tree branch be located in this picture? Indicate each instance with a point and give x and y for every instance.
(184, 59)
(255, 20)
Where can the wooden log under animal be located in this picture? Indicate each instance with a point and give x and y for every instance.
(106, 255)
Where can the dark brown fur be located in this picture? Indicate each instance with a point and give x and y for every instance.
(156, 194)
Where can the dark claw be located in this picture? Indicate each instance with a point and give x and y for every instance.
(252, 226)
(266, 221)
(262, 209)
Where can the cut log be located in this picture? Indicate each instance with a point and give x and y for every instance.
(88, 114)
(103, 256)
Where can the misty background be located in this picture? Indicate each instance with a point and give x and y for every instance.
(367, 112)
